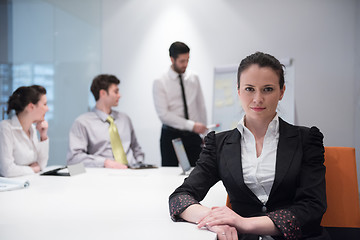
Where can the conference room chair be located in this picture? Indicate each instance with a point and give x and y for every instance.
(342, 217)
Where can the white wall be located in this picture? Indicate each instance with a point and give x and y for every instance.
(318, 35)
(357, 89)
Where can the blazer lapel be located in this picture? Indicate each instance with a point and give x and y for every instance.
(287, 146)
(231, 153)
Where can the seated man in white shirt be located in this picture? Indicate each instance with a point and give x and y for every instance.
(89, 139)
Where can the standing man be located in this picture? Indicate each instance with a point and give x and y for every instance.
(104, 137)
(180, 105)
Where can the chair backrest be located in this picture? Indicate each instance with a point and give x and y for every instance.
(228, 204)
(341, 188)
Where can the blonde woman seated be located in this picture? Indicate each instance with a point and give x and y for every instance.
(273, 171)
(21, 150)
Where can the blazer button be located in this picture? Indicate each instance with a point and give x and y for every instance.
(264, 209)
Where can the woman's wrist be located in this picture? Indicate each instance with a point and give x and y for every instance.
(43, 137)
(194, 213)
(245, 225)
(257, 225)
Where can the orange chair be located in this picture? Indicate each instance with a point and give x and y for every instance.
(228, 204)
(341, 188)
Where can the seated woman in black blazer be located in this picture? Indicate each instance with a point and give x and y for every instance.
(273, 171)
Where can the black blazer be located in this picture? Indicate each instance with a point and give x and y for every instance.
(299, 184)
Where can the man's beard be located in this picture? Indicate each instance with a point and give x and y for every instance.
(178, 70)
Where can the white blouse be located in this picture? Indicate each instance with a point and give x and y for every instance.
(18, 151)
(259, 172)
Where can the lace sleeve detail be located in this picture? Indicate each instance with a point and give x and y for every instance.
(178, 204)
(287, 224)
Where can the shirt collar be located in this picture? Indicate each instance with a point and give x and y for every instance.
(15, 123)
(103, 116)
(273, 127)
(174, 75)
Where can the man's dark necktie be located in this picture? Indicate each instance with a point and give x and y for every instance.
(184, 98)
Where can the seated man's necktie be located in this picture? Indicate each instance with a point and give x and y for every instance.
(116, 145)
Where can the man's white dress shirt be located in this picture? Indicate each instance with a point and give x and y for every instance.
(169, 103)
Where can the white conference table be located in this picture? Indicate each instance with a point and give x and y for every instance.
(100, 204)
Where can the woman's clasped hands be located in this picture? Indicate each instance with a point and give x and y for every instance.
(223, 221)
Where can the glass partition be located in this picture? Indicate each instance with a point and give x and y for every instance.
(56, 44)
